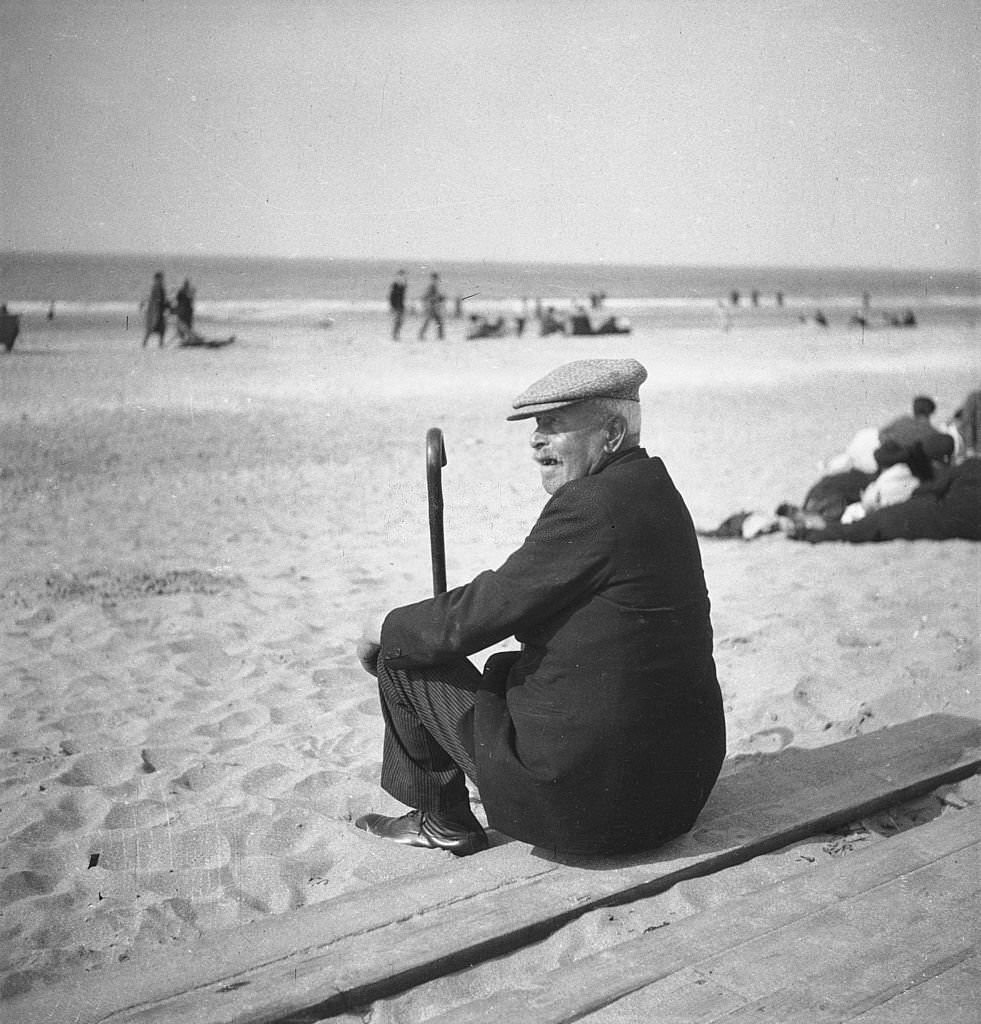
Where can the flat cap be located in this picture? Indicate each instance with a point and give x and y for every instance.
(581, 381)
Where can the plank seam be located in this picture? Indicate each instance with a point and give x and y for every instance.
(934, 970)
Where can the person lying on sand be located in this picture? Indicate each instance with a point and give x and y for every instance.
(579, 323)
(947, 507)
(187, 337)
(849, 496)
(605, 733)
(481, 327)
(900, 470)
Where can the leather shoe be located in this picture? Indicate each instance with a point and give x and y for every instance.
(424, 828)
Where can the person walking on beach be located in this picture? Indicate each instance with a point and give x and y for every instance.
(156, 310)
(604, 734)
(432, 300)
(396, 303)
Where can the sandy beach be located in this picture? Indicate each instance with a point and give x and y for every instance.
(191, 539)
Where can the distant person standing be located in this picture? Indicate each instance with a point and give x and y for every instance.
(396, 303)
(9, 328)
(520, 316)
(156, 310)
(432, 300)
(725, 317)
(184, 307)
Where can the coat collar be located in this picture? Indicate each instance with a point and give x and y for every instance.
(625, 455)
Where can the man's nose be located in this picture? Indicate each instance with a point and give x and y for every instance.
(538, 439)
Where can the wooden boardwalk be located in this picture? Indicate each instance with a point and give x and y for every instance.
(333, 956)
(889, 934)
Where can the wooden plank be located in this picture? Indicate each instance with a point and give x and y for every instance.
(951, 996)
(861, 953)
(895, 909)
(328, 957)
(687, 997)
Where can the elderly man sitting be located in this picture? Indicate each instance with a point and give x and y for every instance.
(605, 733)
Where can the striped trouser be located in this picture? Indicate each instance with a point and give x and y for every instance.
(429, 733)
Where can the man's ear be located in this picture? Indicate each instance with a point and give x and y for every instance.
(616, 430)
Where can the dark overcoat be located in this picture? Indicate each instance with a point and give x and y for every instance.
(605, 734)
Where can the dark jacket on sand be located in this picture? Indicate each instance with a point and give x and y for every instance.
(605, 733)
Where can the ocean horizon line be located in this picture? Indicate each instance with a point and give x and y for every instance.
(426, 262)
(98, 278)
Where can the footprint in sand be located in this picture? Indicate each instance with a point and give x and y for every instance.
(853, 638)
(258, 882)
(19, 885)
(205, 775)
(137, 814)
(270, 780)
(771, 740)
(163, 849)
(293, 831)
(103, 768)
(72, 813)
(236, 725)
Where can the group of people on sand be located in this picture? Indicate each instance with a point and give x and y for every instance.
(906, 480)
(156, 307)
(433, 302)
(864, 318)
(578, 322)
(431, 306)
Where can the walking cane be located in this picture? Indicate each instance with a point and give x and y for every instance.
(435, 460)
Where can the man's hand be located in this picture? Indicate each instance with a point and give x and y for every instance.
(368, 651)
(369, 646)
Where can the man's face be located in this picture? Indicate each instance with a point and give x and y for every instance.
(568, 444)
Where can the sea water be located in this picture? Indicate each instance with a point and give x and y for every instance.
(243, 290)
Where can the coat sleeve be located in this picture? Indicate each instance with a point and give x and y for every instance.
(566, 555)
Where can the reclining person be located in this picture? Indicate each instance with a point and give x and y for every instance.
(481, 327)
(902, 471)
(945, 508)
(614, 325)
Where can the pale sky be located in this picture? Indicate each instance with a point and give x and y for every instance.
(780, 132)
